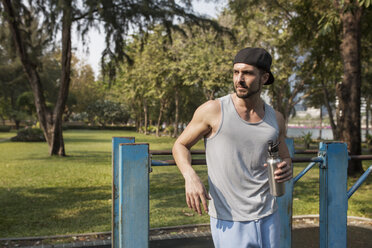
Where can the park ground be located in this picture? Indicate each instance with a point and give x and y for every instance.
(42, 195)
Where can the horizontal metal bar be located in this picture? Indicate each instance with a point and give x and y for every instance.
(172, 162)
(303, 172)
(361, 157)
(302, 159)
(204, 162)
(306, 151)
(169, 152)
(358, 183)
(354, 157)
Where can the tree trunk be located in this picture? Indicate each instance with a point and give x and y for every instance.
(321, 123)
(145, 112)
(368, 108)
(330, 112)
(348, 91)
(17, 123)
(162, 106)
(176, 119)
(51, 123)
(57, 143)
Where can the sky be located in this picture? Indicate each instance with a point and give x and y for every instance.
(96, 41)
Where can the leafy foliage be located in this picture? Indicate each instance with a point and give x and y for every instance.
(5, 128)
(168, 81)
(105, 112)
(29, 135)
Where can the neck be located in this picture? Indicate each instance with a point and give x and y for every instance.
(251, 103)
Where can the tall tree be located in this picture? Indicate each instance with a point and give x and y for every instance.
(349, 89)
(13, 79)
(180, 75)
(117, 17)
(313, 28)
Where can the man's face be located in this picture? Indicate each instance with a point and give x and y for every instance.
(248, 80)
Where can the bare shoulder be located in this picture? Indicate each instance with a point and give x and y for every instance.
(202, 124)
(280, 120)
(279, 117)
(208, 111)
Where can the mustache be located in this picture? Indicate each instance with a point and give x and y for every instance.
(241, 84)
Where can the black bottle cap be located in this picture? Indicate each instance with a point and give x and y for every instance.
(273, 148)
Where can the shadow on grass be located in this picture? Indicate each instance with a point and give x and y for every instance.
(78, 155)
(50, 211)
(76, 139)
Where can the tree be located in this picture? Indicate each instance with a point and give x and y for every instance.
(117, 18)
(16, 93)
(180, 75)
(313, 28)
(106, 112)
(266, 26)
(84, 88)
(349, 89)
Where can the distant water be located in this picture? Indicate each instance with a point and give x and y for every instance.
(294, 132)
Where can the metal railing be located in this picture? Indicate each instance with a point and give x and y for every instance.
(132, 164)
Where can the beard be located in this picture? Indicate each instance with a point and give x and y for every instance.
(247, 94)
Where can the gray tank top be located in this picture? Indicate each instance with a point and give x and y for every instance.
(238, 180)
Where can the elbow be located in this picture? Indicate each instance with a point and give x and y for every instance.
(175, 148)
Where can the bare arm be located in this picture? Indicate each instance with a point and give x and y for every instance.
(202, 123)
(284, 173)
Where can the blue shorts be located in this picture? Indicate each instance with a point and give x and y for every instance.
(261, 233)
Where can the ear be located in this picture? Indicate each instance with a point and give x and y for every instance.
(265, 77)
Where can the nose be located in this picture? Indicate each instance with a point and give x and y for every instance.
(241, 77)
(241, 80)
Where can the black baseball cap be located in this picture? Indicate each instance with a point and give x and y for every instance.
(258, 57)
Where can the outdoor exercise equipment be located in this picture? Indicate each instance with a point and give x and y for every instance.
(132, 164)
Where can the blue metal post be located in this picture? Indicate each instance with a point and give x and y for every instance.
(116, 141)
(134, 195)
(285, 203)
(333, 195)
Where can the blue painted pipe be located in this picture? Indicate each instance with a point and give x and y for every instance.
(161, 163)
(303, 172)
(359, 182)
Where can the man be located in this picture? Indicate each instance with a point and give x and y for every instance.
(236, 130)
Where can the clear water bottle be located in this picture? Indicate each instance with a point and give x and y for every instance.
(273, 159)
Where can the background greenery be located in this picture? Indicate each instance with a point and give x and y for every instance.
(43, 195)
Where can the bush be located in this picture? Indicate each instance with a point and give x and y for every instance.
(29, 135)
(369, 139)
(5, 129)
(106, 111)
(307, 139)
(169, 129)
(369, 142)
(150, 129)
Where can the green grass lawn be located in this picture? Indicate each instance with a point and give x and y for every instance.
(7, 135)
(43, 195)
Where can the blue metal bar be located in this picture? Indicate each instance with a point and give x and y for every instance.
(134, 196)
(359, 182)
(116, 141)
(333, 196)
(285, 204)
(161, 163)
(172, 162)
(303, 172)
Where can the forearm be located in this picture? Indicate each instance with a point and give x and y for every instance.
(182, 156)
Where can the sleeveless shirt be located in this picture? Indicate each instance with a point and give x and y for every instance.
(235, 154)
